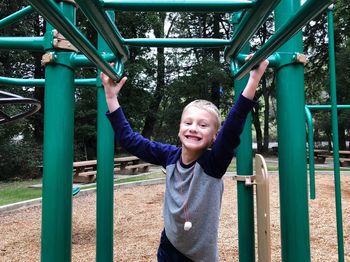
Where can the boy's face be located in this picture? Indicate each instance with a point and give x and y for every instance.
(197, 129)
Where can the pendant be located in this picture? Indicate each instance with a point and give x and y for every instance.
(187, 226)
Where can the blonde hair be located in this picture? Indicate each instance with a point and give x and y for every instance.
(207, 106)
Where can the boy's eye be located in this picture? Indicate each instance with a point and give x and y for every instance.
(203, 125)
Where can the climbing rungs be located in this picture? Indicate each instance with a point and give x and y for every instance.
(178, 5)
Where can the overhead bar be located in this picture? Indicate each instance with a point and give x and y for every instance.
(15, 16)
(53, 14)
(309, 10)
(41, 82)
(22, 42)
(177, 42)
(249, 24)
(103, 24)
(178, 5)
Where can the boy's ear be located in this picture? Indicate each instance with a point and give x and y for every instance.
(214, 138)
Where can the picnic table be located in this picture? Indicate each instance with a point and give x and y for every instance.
(344, 158)
(85, 171)
(130, 165)
(320, 155)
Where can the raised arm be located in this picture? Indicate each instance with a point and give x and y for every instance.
(254, 78)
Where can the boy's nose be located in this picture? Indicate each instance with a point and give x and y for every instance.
(193, 128)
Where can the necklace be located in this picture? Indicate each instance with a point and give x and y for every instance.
(188, 223)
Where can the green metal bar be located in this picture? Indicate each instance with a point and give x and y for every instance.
(327, 107)
(27, 43)
(13, 18)
(178, 5)
(82, 61)
(177, 42)
(295, 236)
(105, 26)
(245, 199)
(41, 82)
(249, 24)
(309, 10)
(56, 240)
(310, 136)
(308, 114)
(274, 61)
(105, 171)
(49, 10)
(333, 93)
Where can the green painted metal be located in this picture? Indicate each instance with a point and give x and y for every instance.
(22, 43)
(334, 113)
(105, 171)
(58, 167)
(49, 10)
(310, 136)
(58, 158)
(41, 82)
(308, 114)
(295, 239)
(274, 59)
(15, 17)
(105, 26)
(245, 194)
(178, 5)
(326, 107)
(309, 10)
(177, 42)
(248, 25)
(79, 60)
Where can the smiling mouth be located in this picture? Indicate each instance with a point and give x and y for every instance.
(193, 138)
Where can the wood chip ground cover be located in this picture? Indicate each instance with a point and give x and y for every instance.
(138, 223)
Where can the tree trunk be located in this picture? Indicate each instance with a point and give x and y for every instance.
(257, 125)
(151, 117)
(266, 94)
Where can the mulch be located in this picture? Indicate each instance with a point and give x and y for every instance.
(138, 223)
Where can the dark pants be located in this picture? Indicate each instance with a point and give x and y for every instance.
(168, 253)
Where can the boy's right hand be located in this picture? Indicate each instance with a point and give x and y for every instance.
(112, 89)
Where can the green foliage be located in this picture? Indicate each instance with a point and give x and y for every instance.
(20, 157)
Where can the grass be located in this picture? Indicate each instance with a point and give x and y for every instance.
(12, 192)
(17, 191)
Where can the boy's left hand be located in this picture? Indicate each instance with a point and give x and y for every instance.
(257, 73)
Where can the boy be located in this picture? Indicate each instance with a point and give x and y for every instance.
(194, 186)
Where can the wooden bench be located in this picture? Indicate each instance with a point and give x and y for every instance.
(86, 177)
(84, 171)
(130, 165)
(139, 168)
(344, 162)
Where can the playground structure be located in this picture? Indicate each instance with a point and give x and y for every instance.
(61, 44)
(9, 99)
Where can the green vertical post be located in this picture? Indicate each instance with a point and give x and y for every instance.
(58, 157)
(334, 113)
(310, 138)
(295, 237)
(245, 200)
(105, 172)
